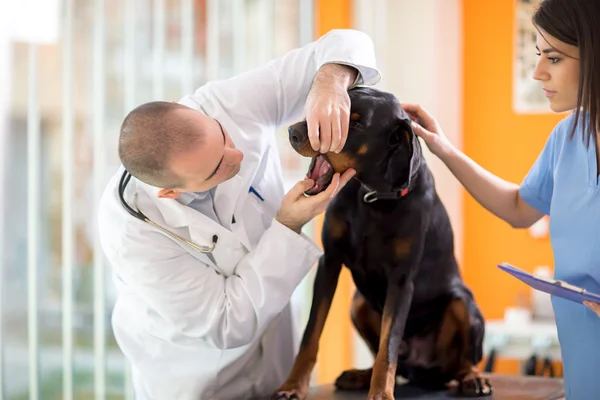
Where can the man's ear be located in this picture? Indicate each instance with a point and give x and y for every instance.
(168, 193)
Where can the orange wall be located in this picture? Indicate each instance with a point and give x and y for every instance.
(493, 134)
(335, 348)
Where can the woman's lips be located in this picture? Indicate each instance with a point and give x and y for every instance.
(549, 93)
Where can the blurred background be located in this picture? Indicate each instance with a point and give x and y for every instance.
(70, 70)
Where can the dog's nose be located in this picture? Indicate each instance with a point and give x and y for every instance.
(294, 137)
(297, 134)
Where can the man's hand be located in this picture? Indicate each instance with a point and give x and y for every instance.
(595, 307)
(297, 209)
(327, 109)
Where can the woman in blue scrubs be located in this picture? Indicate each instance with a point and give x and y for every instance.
(563, 183)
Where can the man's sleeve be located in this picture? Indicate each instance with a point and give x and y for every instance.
(538, 185)
(193, 299)
(276, 93)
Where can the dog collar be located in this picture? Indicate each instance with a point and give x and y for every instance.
(373, 195)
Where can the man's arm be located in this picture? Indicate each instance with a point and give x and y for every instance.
(276, 93)
(196, 301)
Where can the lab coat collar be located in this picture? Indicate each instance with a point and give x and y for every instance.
(186, 198)
(229, 199)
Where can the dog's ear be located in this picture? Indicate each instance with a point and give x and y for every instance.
(397, 135)
(415, 153)
(406, 148)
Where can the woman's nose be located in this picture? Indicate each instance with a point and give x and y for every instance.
(539, 74)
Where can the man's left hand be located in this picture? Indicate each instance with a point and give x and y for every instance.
(327, 107)
(595, 307)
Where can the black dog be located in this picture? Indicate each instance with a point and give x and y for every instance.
(389, 227)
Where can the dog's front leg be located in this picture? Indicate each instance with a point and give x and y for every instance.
(297, 384)
(395, 313)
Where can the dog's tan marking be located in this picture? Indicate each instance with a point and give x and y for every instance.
(354, 116)
(340, 162)
(384, 369)
(367, 321)
(336, 227)
(307, 151)
(362, 150)
(299, 377)
(456, 321)
(402, 247)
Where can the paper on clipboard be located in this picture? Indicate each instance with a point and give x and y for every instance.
(551, 286)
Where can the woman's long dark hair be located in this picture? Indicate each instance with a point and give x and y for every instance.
(577, 22)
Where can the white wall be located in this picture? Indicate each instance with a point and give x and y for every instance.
(419, 51)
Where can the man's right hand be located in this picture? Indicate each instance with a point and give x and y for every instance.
(297, 209)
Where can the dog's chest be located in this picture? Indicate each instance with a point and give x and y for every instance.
(375, 248)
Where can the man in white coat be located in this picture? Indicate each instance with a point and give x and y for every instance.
(205, 273)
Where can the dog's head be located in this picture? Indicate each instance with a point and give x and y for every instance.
(381, 145)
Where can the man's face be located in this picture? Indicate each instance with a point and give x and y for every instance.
(209, 162)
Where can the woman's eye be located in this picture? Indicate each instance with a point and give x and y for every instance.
(553, 60)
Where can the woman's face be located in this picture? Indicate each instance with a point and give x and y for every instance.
(558, 70)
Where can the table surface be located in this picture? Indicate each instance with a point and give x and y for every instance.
(506, 387)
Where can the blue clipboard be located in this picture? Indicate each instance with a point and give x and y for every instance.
(551, 286)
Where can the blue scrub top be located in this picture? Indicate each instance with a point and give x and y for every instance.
(563, 183)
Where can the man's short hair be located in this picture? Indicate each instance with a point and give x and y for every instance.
(149, 136)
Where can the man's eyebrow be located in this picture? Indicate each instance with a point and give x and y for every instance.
(220, 162)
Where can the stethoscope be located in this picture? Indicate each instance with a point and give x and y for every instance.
(142, 217)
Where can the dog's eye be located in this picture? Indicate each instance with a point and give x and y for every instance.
(354, 119)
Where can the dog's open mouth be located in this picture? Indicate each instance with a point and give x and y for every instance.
(321, 172)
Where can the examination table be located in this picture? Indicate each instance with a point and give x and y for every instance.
(506, 387)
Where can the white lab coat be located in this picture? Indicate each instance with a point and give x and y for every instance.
(194, 329)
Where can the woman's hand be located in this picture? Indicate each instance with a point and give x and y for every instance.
(595, 307)
(426, 127)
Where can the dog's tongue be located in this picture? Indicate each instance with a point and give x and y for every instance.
(321, 168)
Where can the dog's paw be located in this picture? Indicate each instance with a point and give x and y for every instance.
(380, 395)
(286, 395)
(290, 391)
(474, 387)
(354, 379)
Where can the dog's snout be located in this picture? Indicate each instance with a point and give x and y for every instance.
(298, 134)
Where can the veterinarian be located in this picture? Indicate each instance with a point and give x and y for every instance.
(564, 181)
(205, 247)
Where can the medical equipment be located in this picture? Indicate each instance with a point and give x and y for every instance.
(141, 216)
